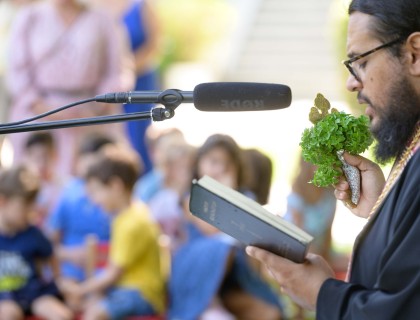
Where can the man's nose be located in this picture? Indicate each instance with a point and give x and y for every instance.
(353, 84)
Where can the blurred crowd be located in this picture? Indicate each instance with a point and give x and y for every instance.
(94, 220)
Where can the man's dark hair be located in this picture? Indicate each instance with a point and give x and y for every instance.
(396, 19)
(19, 182)
(43, 138)
(115, 162)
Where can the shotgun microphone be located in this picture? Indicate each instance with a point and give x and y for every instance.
(241, 96)
(213, 96)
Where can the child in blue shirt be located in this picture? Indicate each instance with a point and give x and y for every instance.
(24, 253)
(75, 216)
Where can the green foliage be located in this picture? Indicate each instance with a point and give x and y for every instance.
(335, 131)
(192, 28)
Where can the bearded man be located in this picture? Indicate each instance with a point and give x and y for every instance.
(383, 47)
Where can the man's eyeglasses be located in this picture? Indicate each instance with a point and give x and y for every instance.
(348, 63)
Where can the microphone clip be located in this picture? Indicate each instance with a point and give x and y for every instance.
(170, 99)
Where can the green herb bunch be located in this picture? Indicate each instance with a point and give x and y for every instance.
(332, 131)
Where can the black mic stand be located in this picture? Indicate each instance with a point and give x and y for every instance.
(170, 99)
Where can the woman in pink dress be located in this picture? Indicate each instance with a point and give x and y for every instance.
(62, 52)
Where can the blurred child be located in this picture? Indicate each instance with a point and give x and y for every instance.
(312, 208)
(156, 140)
(24, 250)
(41, 156)
(166, 205)
(259, 171)
(131, 283)
(75, 217)
(212, 278)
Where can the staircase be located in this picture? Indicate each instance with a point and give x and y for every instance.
(289, 42)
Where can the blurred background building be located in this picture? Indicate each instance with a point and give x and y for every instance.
(288, 42)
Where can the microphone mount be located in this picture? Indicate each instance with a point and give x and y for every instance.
(170, 99)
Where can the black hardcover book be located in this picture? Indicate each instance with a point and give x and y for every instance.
(246, 220)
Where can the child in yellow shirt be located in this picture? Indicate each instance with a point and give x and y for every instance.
(131, 283)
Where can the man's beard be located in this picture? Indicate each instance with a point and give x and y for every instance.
(397, 121)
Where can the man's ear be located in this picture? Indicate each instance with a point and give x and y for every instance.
(413, 51)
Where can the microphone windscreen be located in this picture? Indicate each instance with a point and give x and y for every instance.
(241, 96)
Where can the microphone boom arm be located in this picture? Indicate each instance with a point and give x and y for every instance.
(47, 125)
(170, 99)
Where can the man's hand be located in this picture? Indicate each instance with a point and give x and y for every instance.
(301, 282)
(372, 183)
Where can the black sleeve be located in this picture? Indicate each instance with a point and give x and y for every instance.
(396, 293)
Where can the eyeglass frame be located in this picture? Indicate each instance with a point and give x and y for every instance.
(348, 62)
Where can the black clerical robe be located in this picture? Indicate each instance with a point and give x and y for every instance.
(385, 272)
